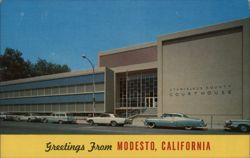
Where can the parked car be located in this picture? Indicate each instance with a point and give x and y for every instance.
(29, 117)
(241, 125)
(175, 120)
(59, 117)
(2, 116)
(108, 119)
(9, 116)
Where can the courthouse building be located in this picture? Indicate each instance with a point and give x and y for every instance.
(203, 72)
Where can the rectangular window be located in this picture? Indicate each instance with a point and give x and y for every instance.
(11, 94)
(99, 107)
(48, 91)
(71, 107)
(16, 94)
(34, 92)
(80, 88)
(55, 107)
(63, 107)
(28, 108)
(22, 93)
(40, 92)
(55, 90)
(79, 107)
(5, 107)
(28, 93)
(11, 108)
(22, 108)
(89, 88)
(99, 87)
(72, 89)
(34, 108)
(63, 90)
(88, 107)
(40, 107)
(47, 107)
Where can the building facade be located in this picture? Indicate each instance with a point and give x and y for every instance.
(203, 72)
(66, 92)
(206, 72)
(135, 78)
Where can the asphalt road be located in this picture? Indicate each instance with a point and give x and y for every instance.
(14, 127)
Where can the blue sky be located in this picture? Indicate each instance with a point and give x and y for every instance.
(61, 30)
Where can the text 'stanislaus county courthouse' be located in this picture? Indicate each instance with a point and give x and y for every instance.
(203, 72)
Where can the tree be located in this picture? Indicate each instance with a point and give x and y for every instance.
(42, 67)
(13, 66)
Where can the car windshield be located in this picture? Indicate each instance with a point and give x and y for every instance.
(185, 116)
(166, 115)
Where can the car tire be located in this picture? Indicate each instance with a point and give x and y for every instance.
(91, 122)
(60, 121)
(113, 123)
(243, 128)
(188, 128)
(151, 125)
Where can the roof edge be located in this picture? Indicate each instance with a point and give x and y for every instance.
(124, 49)
(204, 29)
(53, 76)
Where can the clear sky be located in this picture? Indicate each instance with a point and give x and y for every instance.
(61, 30)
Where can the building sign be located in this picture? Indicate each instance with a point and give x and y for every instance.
(209, 90)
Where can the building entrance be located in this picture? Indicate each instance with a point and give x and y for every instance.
(137, 91)
(151, 102)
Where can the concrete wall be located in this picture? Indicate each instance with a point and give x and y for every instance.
(129, 56)
(205, 72)
(109, 91)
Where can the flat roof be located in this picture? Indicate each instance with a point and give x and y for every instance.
(121, 50)
(53, 76)
(206, 29)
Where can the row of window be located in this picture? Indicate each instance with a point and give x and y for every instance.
(75, 89)
(134, 89)
(63, 107)
(137, 102)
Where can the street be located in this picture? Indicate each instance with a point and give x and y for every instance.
(13, 127)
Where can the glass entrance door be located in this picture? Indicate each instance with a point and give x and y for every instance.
(151, 102)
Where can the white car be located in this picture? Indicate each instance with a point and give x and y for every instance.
(3, 116)
(59, 117)
(107, 119)
(29, 117)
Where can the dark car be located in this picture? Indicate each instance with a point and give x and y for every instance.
(240, 125)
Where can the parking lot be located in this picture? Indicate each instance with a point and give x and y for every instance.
(23, 127)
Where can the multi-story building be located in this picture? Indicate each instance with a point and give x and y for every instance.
(202, 72)
(64, 92)
(135, 77)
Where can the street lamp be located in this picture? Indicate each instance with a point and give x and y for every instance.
(93, 81)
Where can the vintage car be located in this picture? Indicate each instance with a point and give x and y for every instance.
(59, 117)
(241, 125)
(3, 116)
(29, 117)
(9, 116)
(175, 120)
(108, 119)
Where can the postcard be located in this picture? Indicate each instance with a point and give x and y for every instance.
(124, 79)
